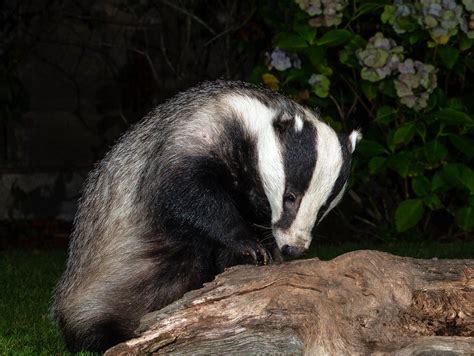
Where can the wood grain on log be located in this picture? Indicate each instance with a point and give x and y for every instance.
(364, 302)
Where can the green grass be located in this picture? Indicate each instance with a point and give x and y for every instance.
(27, 279)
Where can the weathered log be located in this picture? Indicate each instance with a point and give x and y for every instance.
(363, 302)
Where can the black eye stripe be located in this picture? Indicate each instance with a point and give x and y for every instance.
(289, 197)
(299, 160)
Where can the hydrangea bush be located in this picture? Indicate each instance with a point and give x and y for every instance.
(402, 72)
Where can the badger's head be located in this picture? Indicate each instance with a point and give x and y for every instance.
(316, 164)
(303, 164)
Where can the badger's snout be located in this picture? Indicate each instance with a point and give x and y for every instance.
(292, 243)
(293, 251)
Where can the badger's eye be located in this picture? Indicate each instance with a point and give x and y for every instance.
(289, 198)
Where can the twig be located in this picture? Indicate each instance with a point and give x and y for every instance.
(165, 54)
(353, 106)
(369, 111)
(339, 109)
(189, 14)
(232, 29)
(135, 25)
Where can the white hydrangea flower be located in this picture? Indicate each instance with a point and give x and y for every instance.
(415, 83)
(380, 57)
(279, 60)
(441, 18)
(327, 12)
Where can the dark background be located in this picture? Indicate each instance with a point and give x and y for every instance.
(75, 74)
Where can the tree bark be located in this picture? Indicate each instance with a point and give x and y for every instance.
(363, 302)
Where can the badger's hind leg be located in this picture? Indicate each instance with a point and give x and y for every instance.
(97, 337)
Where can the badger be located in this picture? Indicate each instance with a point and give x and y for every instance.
(188, 191)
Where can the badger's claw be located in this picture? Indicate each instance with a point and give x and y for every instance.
(259, 254)
(276, 255)
(267, 256)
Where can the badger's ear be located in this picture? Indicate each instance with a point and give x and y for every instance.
(354, 138)
(282, 122)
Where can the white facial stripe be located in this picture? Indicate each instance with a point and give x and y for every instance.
(328, 164)
(298, 123)
(334, 202)
(258, 119)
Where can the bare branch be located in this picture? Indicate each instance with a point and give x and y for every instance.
(190, 15)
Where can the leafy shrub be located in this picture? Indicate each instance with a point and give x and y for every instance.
(403, 72)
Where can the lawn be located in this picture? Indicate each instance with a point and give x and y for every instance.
(27, 279)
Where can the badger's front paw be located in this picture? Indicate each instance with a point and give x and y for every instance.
(258, 254)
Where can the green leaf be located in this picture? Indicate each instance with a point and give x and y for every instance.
(306, 32)
(257, 72)
(465, 218)
(389, 140)
(471, 200)
(465, 43)
(453, 117)
(435, 152)
(388, 13)
(347, 57)
(376, 164)
(463, 144)
(421, 186)
(321, 88)
(404, 134)
(408, 24)
(459, 175)
(448, 55)
(439, 183)
(400, 163)
(290, 42)
(294, 74)
(324, 69)
(421, 130)
(334, 38)
(456, 104)
(368, 148)
(415, 37)
(317, 57)
(385, 115)
(408, 214)
(387, 87)
(364, 9)
(356, 42)
(369, 89)
(432, 201)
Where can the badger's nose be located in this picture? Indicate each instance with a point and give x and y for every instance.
(292, 251)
